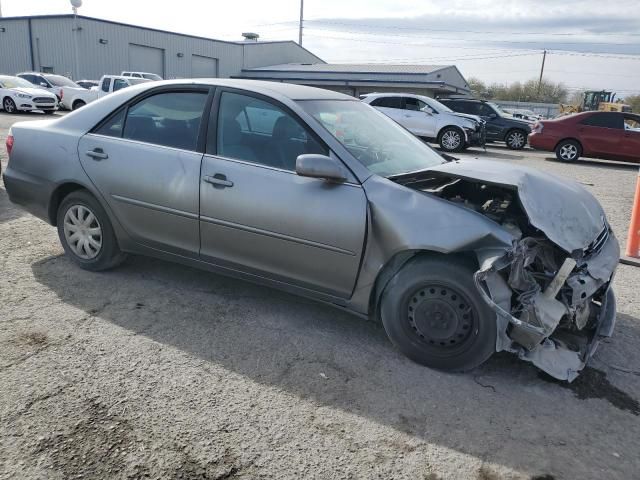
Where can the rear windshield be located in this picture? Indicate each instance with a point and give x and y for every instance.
(60, 81)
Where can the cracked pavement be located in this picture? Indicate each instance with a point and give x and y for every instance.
(156, 370)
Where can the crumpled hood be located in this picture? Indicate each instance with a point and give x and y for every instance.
(475, 118)
(563, 209)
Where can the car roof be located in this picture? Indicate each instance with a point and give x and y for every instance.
(393, 94)
(289, 90)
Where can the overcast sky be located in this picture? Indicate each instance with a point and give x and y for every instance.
(592, 43)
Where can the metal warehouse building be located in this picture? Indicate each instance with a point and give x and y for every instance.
(84, 47)
(46, 44)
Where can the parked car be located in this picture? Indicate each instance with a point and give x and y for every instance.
(49, 81)
(18, 95)
(88, 84)
(501, 127)
(147, 75)
(606, 135)
(430, 119)
(75, 98)
(319, 194)
(527, 115)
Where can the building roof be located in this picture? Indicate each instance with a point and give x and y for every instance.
(404, 69)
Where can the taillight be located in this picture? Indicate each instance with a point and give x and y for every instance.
(9, 143)
(61, 94)
(537, 127)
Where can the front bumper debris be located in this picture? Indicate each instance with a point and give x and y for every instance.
(553, 317)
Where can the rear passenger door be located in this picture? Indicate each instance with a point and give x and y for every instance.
(259, 217)
(602, 133)
(145, 161)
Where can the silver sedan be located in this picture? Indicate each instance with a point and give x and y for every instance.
(318, 194)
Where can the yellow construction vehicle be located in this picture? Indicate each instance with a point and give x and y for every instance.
(593, 100)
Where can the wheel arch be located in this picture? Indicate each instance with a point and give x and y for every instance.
(515, 129)
(574, 139)
(396, 263)
(60, 192)
(450, 125)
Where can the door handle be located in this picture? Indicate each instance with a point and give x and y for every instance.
(97, 154)
(218, 180)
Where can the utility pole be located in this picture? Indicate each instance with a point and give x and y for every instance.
(0, 8)
(544, 57)
(301, 20)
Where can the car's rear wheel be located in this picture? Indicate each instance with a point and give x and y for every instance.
(568, 151)
(9, 105)
(86, 233)
(78, 104)
(432, 311)
(451, 139)
(516, 139)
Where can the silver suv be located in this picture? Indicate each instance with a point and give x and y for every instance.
(430, 119)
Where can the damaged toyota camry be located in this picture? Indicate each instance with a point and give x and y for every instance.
(318, 194)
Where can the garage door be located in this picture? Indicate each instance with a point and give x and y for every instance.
(204, 67)
(146, 59)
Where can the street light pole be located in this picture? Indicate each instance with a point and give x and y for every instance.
(301, 20)
(76, 4)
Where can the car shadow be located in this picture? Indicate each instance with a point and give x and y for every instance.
(503, 412)
(7, 211)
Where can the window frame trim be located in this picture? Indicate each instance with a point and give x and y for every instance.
(603, 115)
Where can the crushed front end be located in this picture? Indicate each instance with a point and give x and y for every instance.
(552, 308)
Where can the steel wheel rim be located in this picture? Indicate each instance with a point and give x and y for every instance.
(442, 319)
(82, 232)
(516, 139)
(451, 140)
(8, 106)
(568, 152)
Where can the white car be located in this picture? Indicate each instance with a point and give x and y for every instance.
(147, 75)
(74, 98)
(49, 81)
(429, 119)
(18, 95)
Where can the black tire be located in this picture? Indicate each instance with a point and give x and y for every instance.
(516, 139)
(9, 106)
(433, 313)
(78, 104)
(568, 151)
(451, 139)
(109, 254)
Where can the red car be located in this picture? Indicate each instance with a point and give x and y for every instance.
(606, 135)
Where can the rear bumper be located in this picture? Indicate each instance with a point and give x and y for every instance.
(542, 142)
(29, 192)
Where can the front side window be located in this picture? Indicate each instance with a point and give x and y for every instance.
(388, 102)
(105, 84)
(604, 120)
(170, 119)
(416, 105)
(257, 131)
(379, 143)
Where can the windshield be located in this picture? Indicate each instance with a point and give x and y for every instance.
(60, 81)
(499, 109)
(436, 105)
(15, 82)
(151, 76)
(379, 143)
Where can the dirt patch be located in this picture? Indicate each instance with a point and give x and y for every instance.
(543, 477)
(593, 383)
(33, 339)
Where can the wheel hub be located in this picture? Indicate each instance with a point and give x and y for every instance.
(440, 316)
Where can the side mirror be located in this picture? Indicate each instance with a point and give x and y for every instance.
(320, 166)
(492, 116)
(42, 84)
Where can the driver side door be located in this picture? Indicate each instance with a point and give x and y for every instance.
(419, 118)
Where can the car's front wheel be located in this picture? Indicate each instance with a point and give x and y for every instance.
(516, 139)
(432, 311)
(9, 105)
(451, 139)
(568, 151)
(86, 233)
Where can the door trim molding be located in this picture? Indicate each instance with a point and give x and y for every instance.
(153, 206)
(277, 235)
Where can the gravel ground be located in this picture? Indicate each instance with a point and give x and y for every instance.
(162, 371)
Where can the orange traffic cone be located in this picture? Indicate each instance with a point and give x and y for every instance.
(633, 240)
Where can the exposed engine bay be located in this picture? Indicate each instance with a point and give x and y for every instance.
(551, 304)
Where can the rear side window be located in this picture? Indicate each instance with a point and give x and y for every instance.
(260, 132)
(604, 120)
(105, 84)
(113, 126)
(169, 119)
(387, 102)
